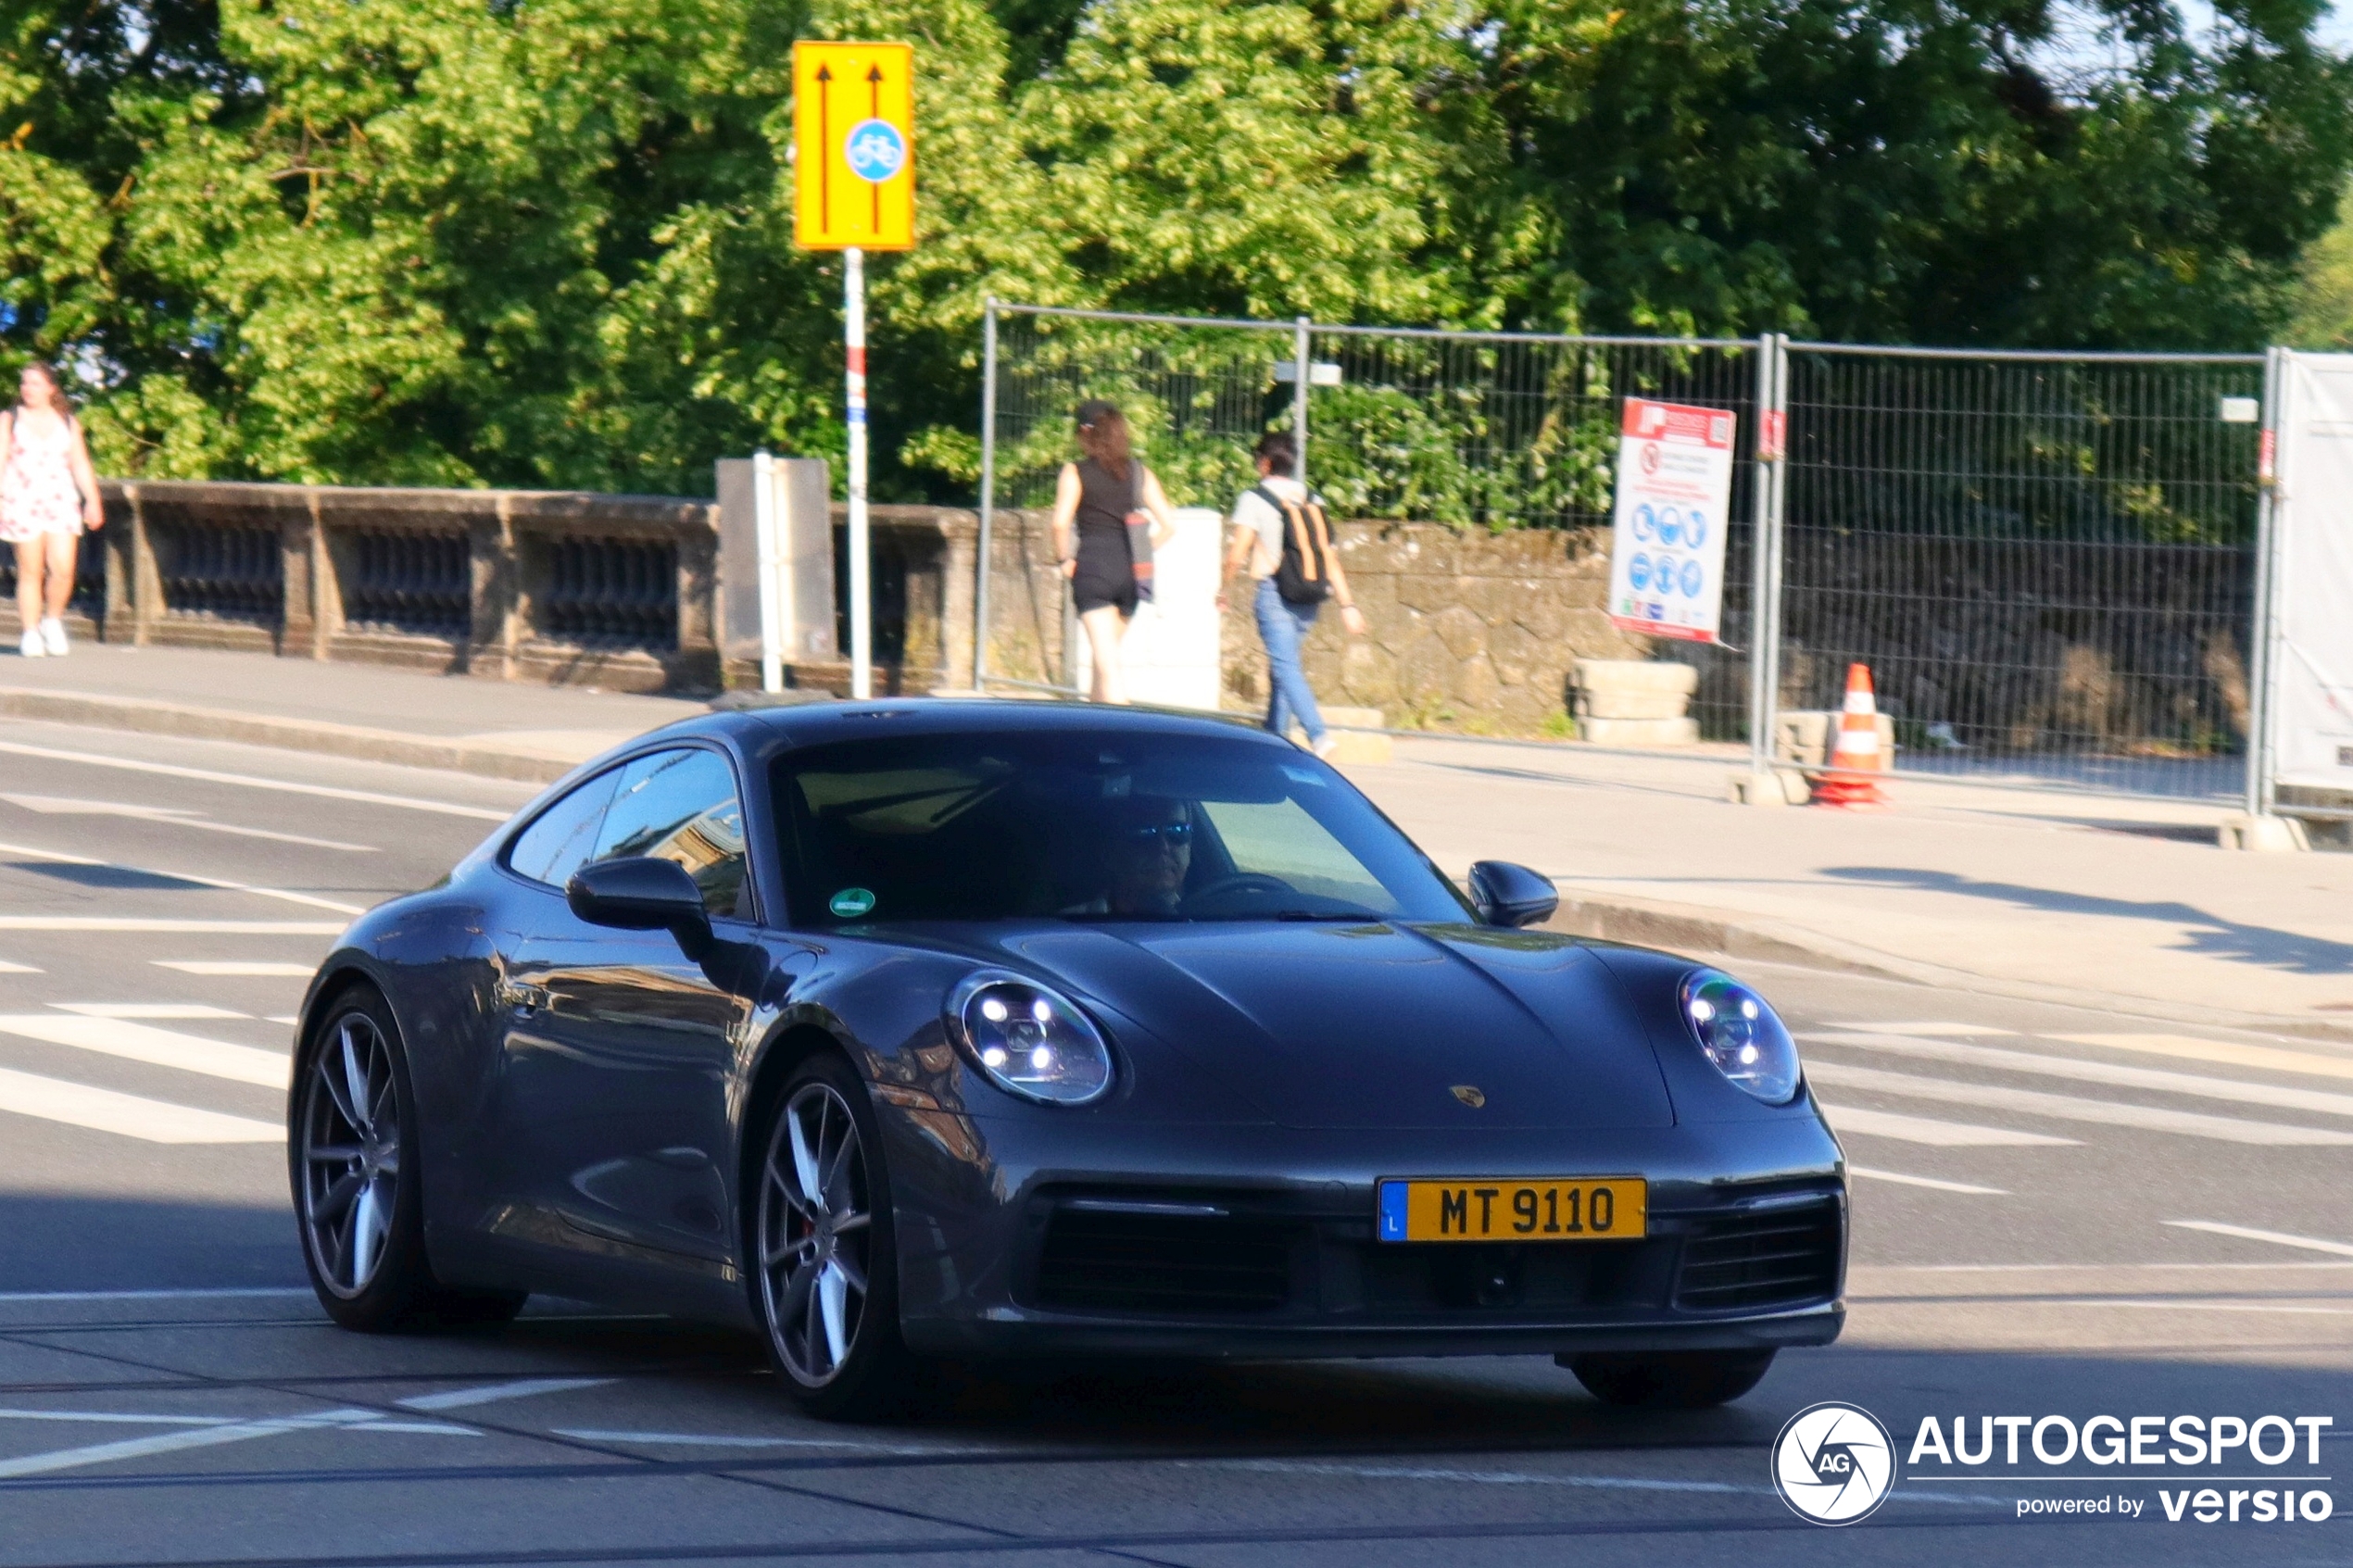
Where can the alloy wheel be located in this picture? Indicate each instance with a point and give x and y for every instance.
(816, 1231)
(350, 1154)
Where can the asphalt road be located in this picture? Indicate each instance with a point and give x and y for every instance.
(2056, 1212)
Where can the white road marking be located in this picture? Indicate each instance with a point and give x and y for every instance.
(104, 1111)
(1962, 1029)
(146, 1009)
(2071, 1107)
(159, 1048)
(170, 816)
(60, 858)
(2209, 1307)
(1942, 1134)
(370, 797)
(161, 923)
(111, 1418)
(697, 1440)
(1533, 1478)
(1933, 1182)
(2228, 1052)
(7, 968)
(283, 1018)
(172, 1442)
(458, 1399)
(202, 1292)
(257, 968)
(1996, 1059)
(2246, 1232)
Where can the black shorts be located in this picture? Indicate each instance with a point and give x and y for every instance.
(1102, 580)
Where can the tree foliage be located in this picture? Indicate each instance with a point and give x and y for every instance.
(547, 242)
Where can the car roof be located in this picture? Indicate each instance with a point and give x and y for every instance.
(821, 723)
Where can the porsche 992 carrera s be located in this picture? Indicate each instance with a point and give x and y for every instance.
(915, 1029)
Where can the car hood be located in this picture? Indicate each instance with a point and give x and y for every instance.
(1374, 1025)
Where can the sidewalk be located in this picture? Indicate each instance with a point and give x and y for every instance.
(2035, 893)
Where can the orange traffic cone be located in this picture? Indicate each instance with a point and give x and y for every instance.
(1856, 755)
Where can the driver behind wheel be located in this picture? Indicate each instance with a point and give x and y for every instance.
(1147, 850)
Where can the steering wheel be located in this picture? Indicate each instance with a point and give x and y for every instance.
(1241, 882)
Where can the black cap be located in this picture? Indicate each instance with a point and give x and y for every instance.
(1092, 411)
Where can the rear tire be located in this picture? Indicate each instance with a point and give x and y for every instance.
(1686, 1380)
(351, 1150)
(824, 1253)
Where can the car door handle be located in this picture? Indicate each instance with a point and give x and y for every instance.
(522, 999)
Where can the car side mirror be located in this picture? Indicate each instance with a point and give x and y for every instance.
(639, 893)
(1507, 894)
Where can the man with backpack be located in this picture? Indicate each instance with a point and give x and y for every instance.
(1283, 539)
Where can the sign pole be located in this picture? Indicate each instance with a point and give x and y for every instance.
(1301, 372)
(763, 527)
(862, 624)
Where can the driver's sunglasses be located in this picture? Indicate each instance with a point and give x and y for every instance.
(1170, 832)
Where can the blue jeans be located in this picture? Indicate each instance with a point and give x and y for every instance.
(1282, 625)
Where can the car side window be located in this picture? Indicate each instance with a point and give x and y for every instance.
(560, 841)
(682, 806)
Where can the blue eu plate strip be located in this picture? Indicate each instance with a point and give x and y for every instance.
(1392, 1210)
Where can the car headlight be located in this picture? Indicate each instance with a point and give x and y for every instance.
(1028, 1040)
(1740, 1034)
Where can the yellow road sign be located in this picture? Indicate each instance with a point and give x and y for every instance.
(854, 145)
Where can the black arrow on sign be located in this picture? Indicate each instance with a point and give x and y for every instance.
(825, 144)
(874, 92)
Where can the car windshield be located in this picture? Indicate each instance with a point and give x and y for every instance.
(1089, 826)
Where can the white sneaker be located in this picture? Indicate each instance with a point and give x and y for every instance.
(53, 637)
(32, 646)
(1325, 747)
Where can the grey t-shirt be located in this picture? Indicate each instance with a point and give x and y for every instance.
(1252, 512)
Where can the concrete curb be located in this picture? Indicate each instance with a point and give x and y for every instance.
(291, 734)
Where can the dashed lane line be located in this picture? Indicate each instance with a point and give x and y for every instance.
(2281, 1238)
(131, 1116)
(1961, 1029)
(174, 817)
(59, 857)
(714, 1440)
(199, 1293)
(283, 786)
(1929, 1130)
(1935, 1183)
(2228, 1052)
(1994, 1057)
(2072, 1108)
(7, 968)
(147, 1009)
(134, 1041)
(246, 967)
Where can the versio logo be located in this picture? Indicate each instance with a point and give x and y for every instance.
(1833, 1464)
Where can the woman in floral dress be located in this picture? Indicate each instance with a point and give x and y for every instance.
(49, 495)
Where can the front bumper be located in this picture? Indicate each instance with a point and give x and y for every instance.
(1259, 1243)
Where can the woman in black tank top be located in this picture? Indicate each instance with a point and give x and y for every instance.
(1093, 502)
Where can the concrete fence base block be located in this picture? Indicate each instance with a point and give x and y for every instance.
(2262, 834)
(1772, 787)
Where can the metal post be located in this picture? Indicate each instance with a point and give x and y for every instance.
(2261, 643)
(1301, 372)
(861, 608)
(770, 560)
(988, 486)
(1760, 619)
(1773, 540)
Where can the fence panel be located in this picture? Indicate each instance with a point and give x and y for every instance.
(1472, 431)
(2046, 561)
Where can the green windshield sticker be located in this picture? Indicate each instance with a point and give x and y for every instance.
(852, 902)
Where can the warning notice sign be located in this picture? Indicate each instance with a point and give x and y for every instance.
(1674, 492)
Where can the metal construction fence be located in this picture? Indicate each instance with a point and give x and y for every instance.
(2047, 559)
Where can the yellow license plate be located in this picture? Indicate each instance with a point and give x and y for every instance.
(1548, 1209)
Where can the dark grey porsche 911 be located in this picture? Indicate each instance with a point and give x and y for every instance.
(911, 1030)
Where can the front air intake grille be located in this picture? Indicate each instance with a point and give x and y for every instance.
(1166, 1264)
(1783, 1257)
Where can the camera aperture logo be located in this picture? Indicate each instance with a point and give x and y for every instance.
(1833, 1464)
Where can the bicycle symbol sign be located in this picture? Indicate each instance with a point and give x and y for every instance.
(875, 150)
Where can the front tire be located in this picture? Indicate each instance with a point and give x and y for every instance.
(826, 1261)
(353, 1160)
(1686, 1380)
